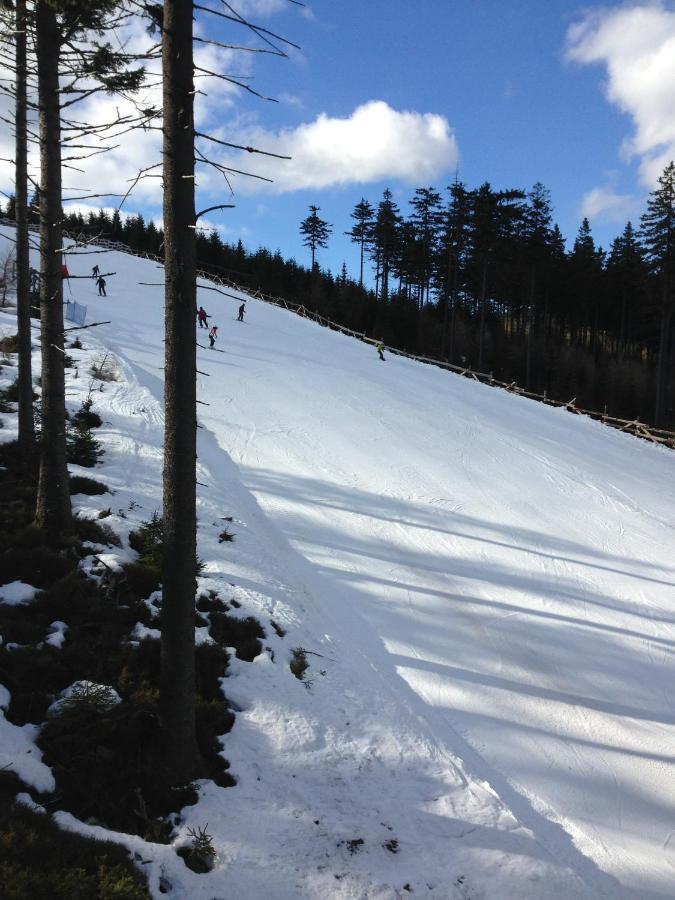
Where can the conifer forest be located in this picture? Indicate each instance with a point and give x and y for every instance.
(483, 278)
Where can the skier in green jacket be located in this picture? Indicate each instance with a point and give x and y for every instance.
(379, 346)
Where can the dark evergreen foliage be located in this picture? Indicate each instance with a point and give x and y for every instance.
(581, 324)
(314, 231)
(658, 236)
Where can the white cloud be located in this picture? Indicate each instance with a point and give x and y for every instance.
(112, 172)
(266, 8)
(259, 7)
(374, 143)
(603, 204)
(636, 44)
(291, 100)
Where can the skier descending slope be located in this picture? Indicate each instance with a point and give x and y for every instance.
(202, 317)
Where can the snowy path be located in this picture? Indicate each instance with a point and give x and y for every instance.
(516, 564)
(502, 571)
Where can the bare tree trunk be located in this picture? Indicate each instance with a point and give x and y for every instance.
(664, 350)
(53, 510)
(481, 330)
(446, 307)
(180, 434)
(26, 425)
(385, 273)
(530, 332)
(453, 311)
(378, 275)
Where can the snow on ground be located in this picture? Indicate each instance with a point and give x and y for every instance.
(487, 582)
(18, 751)
(16, 593)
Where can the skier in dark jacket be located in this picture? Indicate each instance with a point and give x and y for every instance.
(202, 317)
(100, 284)
(242, 310)
(213, 334)
(95, 272)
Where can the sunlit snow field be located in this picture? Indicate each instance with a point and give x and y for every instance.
(490, 584)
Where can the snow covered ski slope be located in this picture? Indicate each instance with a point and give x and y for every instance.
(491, 581)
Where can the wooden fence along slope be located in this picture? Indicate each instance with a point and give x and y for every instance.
(635, 427)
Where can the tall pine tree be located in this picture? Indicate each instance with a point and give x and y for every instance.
(658, 238)
(385, 242)
(59, 24)
(537, 236)
(361, 231)
(315, 232)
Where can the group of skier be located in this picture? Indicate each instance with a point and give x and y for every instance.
(203, 319)
(100, 281)
(202, 315)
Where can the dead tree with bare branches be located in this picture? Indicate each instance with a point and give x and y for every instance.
(72, 63)
(180, 156)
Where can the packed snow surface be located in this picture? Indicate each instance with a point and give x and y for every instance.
(16, 593)
(486, 586)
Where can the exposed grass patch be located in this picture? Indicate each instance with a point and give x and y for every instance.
(17, 505)
(80, 484)
(281, 632)
(95, 532)
(210, 602)
(98, 774)
(36, 564)
(106, 758)
(243, 634)
(104, 367)
(10, 395)
(142, 579)
(38, 860)
(9, 343)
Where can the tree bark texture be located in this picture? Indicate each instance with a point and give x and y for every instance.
(53, 510)
(180, 443)
(481, 330)
(662, 366)
(530, 331)
(26, 424)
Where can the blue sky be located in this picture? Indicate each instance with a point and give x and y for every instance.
(501, 74)
(399, 93)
